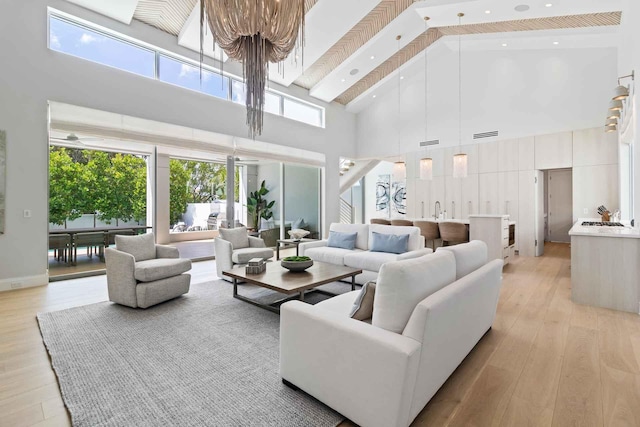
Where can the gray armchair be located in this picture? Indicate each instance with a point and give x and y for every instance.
(141, 273)
(235, 247)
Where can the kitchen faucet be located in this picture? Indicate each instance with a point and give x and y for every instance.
(436, 210)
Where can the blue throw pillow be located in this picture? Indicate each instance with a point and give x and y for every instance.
(391, 243)
(342, 240)
(298, 224)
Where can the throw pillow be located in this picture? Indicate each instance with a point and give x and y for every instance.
(390, 243)
(342, 240)
(238, 237)
(402, 285)
(142, 247)
(363, 305)
(298, 223)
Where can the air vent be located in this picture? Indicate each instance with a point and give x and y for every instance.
(481, 135)
(430, 142)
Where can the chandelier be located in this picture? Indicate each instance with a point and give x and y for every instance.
(254, 32)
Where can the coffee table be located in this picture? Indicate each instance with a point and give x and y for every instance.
(293, 285)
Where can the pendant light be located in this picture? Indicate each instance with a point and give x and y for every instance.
(614, 115)
(460, 160)
(621, 92)
(400, 167)
(615, 105)
(426, 163)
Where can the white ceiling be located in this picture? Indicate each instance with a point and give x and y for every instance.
(189, 37)
(329, 20)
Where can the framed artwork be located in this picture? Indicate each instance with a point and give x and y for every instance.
(383, 195)
(399, 198)
(3, 177)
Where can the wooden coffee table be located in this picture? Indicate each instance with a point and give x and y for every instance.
(294, 285)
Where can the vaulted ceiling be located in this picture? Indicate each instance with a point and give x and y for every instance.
(351, 46)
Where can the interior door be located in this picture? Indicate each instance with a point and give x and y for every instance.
(539, 210)
(560, 199)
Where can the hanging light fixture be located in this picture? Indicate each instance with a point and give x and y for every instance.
(621, 92)
(613, 115)
(611, 128)
(460, 160)
(400, 167)
(615, 105)
(255, 33)
(611, 122)
(426, 163)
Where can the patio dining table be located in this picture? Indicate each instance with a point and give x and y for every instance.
(73, 231)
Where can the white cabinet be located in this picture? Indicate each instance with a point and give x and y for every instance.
(508, 155)
(494, 231)
(453, 197)
(526, 153)
(488, 157)
(488, 193)
(554, 151)
(469, 196)
(508, 190)
(437, 194)
(422, 196)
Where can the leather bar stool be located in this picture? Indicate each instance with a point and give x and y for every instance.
(380, 221)
(402, 222)
(430, 231)
(452, 232)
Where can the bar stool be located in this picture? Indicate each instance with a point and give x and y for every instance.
(380, 221)
(453, 232)
(402, 222)
(430, 231)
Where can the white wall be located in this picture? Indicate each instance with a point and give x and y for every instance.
(518, 93)
(31, 75)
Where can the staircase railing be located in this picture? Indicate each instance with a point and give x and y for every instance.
(346, 212)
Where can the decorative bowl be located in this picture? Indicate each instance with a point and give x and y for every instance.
(296, 264)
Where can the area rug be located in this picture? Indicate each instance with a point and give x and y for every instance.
(204, 359)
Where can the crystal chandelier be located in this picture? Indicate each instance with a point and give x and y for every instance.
(254, 32)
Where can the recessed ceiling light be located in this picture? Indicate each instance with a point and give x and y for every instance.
(522, 8)
(504, 45)
(343, 80)
(487, 12)
(354, 71)
(401, 77)
(548, 5)
(373, 57)
(375, 96)
(556, 42)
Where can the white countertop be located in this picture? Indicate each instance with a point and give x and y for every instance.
(463, 221)
(594, 231)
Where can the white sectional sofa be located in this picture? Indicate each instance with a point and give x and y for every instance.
(378, 377)
(361, 257)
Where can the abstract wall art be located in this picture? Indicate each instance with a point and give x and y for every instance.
(383, 195)
(399, 198)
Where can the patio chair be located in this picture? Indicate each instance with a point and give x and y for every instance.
(110, 236)
(61, 246)
(92, 240)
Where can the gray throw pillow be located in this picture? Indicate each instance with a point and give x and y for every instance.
(298, 224)
(342, 240)
(238, 237)
(363, 305)
(142, 247)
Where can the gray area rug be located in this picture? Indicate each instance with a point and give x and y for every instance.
(204, 359)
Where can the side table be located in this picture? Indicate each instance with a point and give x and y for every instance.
(290, 242)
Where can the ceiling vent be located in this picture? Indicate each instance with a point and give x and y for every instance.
(430, 142)
(482, 135)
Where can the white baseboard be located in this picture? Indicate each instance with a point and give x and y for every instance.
(12, 284)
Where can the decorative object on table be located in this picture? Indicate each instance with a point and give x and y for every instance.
(3, 168)
(383, 191)
(258, 206)
(254, 33)
(256, 266)
(604, 213)
(296, 263)
(298, 233)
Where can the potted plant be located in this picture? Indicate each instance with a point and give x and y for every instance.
(296, 263)
(258, 206)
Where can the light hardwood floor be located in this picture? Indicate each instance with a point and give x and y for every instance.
(546, 362)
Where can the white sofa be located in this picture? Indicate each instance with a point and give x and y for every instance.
(376, 377)
(361, 257)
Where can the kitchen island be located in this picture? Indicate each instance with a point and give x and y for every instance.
(605, 266)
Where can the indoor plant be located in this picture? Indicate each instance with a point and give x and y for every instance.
(296, 263)
(258, 206)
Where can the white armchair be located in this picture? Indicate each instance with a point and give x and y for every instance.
(235, 247)
(141, 273)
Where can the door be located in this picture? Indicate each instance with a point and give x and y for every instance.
(539, 210)
(560, 199)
